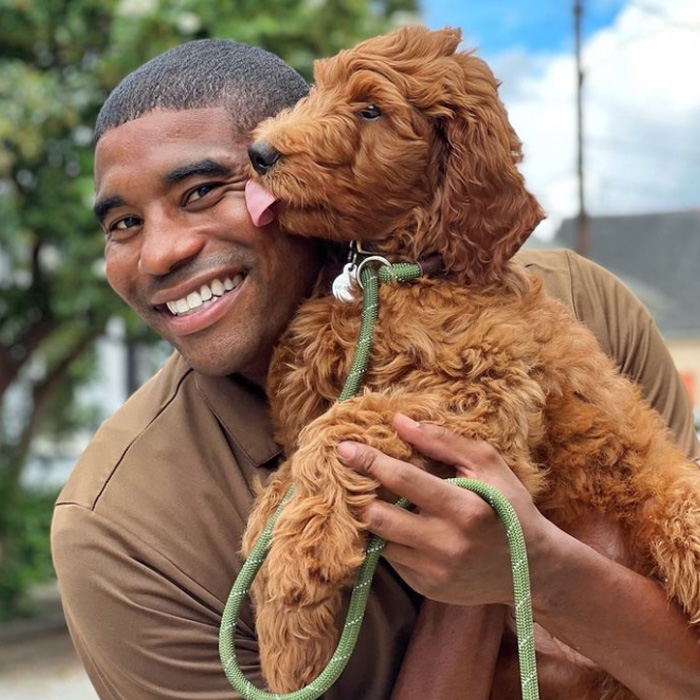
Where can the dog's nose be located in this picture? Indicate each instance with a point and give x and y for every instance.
(263, 157)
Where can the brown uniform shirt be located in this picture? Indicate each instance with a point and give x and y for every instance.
(147, 530)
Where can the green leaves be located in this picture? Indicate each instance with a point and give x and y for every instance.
(59, 59)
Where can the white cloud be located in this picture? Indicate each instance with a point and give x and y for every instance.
(642, 114)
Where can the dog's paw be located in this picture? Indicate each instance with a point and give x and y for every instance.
(313, 557)
(296, 643)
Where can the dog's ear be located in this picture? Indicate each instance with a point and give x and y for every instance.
(485, 212)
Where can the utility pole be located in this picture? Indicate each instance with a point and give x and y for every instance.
(583, 241)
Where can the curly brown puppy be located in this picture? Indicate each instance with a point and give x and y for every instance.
(404, 145)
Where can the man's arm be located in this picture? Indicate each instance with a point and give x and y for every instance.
(454, 550)
(143, 629)
(453, 649)
(628, 334)
(467, 638)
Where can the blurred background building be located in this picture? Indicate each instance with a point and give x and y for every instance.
(611, 131)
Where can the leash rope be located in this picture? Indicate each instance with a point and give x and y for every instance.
(402, 272)
(370, 279)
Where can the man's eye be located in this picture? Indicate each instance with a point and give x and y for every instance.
(199, 192)
(126, 223)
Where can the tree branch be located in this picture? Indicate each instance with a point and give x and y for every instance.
(36, 332)
(29, 341)
(40, 394)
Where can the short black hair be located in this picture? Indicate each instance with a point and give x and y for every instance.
(249, 82)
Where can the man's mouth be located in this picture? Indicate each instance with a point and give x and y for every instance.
(206, 296)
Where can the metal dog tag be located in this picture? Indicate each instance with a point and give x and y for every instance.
(343, 283)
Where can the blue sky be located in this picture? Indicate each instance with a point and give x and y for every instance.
(533, 26)
(641, 101)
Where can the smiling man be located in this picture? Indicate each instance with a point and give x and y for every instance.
(180, 247)
(146, 532)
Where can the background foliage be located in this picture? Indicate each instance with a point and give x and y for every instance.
(58, 61)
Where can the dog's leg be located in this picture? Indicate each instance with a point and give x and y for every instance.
(266, 503)
(625, 467)
(320, 538)
(670, 528)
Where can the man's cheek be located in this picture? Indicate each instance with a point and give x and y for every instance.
(119, 269)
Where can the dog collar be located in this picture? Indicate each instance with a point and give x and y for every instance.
(345, 284)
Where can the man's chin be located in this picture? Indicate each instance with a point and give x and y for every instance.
(251, 365)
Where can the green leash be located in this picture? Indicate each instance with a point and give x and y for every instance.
(370, 279)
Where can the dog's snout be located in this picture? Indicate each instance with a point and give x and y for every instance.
(263, 156)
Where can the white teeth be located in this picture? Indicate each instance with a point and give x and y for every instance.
(206, 294)
(194, 301)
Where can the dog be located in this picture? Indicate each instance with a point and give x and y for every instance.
(404, 145)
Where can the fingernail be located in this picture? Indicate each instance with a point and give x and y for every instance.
(346, 450)
(409, 421)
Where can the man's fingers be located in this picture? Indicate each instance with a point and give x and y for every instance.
(430, 493)
(392, 523)
(410, 545)
(442, 445)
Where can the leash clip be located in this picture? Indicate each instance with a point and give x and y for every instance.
(371, 258)
(344, 284)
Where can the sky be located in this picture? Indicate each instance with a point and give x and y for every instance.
(641, 61)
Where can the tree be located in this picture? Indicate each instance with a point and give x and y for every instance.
(58, 61)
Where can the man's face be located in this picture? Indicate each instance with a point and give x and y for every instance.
(181, 249)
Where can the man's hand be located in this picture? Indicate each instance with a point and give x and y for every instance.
(453, 547)
(454, 550)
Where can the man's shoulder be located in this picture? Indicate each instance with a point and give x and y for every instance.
(584, 286)
(554, 268)
(118, 434)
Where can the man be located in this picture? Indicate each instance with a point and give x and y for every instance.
(146, 532)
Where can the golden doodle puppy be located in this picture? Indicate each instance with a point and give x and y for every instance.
(404, 145)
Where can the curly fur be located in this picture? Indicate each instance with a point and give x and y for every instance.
(482, 350)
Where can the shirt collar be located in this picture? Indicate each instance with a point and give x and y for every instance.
(243, 411)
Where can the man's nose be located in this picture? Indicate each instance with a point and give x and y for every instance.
(167, 245)
(263, 156)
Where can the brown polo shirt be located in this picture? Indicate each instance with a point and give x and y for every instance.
(146, 532)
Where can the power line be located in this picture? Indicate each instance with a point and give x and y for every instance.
(640, 148)
(658, 12)
(643, 188)
(641, 36)
(644, 117)
(648, 32)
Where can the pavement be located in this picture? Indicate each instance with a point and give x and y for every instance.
(43, 667)
(37, 659)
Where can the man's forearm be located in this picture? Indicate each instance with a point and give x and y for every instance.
(619, 619)
(453, 649)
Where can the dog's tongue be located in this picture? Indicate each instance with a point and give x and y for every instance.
(259, 200)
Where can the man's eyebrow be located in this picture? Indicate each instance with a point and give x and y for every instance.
(206, 167)
(102, 207)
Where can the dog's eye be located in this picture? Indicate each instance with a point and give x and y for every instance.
(370, 112)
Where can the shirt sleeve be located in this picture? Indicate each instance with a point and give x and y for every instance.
(627, 333)
(142, 628)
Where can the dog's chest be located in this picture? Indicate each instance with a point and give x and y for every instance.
(433, 328)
